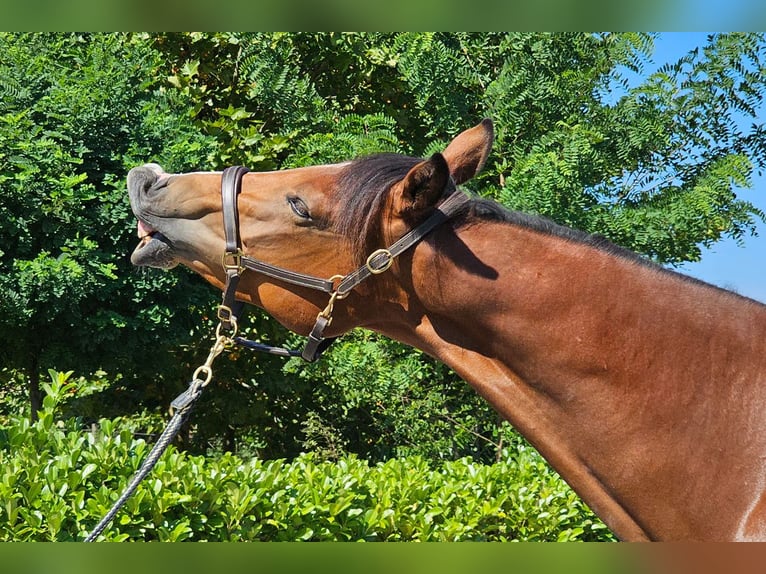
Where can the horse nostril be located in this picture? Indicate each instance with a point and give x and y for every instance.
(142, 178)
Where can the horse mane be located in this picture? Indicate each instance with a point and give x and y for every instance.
(488, 210)
(364, 187)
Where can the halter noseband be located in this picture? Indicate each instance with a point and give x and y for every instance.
(337, 287)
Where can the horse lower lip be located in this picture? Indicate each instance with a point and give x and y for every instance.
(152, 251)
(146, 240)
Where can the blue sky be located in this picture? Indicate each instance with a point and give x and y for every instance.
(741, 269)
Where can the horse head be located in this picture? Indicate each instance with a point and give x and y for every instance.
(316, 220)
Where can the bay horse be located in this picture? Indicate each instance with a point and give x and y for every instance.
(643, 388)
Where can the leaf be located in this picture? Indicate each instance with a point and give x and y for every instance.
(190, 68)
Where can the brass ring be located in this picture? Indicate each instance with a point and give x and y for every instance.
(385, 267)
(232, 327)
(207, 370)
(339, 279)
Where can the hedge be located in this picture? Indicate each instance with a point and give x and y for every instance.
(57, 480)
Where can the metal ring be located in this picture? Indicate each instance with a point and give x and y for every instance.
(208, 374)
(339, 279)
(386, 265)
(232, 327)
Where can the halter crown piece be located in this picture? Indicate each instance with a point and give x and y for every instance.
(235, 263)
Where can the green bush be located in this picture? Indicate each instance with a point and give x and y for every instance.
(58, 480)
(77, 111)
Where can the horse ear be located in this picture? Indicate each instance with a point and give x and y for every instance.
(467, 153)
(422, 186)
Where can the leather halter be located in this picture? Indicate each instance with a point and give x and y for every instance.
(337, 287)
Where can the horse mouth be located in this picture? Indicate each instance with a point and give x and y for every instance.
(153, 249)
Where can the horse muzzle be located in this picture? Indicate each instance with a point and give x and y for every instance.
(154, 249)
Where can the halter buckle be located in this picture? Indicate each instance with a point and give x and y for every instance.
(378, 269)
(232, 261)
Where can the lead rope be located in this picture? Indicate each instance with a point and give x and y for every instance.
(181, 408)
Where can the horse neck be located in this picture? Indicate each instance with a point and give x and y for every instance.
(592, 357)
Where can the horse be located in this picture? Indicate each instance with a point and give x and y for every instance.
(643, 388)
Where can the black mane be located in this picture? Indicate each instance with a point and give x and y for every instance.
(364, 188)
(487, 210)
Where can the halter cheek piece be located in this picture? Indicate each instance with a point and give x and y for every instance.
(337, 287)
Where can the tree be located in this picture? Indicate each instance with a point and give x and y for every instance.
(654, 168)
(76, 112)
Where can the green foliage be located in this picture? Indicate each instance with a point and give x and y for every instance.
(273, 100)
(382, 399)
(79, 112)
(57, 481)
(654, 167)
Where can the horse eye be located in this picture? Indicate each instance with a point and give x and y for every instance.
(299, 207)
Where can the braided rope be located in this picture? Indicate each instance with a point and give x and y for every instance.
(185, 402)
